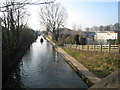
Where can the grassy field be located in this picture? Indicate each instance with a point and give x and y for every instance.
(101, 64)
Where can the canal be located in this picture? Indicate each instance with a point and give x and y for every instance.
(43, 67)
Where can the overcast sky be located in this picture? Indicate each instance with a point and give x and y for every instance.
(82, 13)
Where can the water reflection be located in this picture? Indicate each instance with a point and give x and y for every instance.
(41, 40)
(56, 56)
(42, 67)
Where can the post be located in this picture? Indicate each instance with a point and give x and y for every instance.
(94, 47)
(109, 47)
(119, 48)
(101, 48)
(76, 46)
(0, 53)
(88, 47)
(82, 47)
(70, 45)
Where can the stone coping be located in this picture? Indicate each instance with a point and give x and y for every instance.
(89, 77)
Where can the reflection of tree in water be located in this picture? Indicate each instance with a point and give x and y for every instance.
(55, 54)
(13, 80)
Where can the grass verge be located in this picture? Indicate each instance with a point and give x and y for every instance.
(101, 64)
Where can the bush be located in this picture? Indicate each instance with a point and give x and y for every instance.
(14, 47)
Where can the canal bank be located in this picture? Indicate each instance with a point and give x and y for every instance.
(83, 72)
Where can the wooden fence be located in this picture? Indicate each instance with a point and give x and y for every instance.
(101, 48)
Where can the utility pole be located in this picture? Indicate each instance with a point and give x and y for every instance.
(0, 53)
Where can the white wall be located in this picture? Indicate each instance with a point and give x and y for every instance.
(106, 36)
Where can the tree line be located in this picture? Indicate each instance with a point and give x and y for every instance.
(111, 27)
(16, 35)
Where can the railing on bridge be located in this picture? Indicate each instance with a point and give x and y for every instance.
(101, 48)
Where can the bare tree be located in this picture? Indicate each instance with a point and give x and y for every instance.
(101, 28)
(53, 16)
(14, 13)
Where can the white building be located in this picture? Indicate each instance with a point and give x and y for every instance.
(106, 35)
(103, 37)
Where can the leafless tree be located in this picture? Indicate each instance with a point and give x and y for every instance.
(52, 17)
(13, 15)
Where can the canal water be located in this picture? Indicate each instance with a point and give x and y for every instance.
(43, 67)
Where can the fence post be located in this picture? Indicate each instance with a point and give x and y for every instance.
(82, 47)
(94, 47)
(109, 47)
(88, 47)
(119, 48)
(76, 46)
(101, 48)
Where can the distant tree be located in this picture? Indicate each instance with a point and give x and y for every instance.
(77, 39)
(87, 29)
(117, 27)
(107, 28)
(82, 40)
(74, 33)
(94, 28)
(101, 28)
(53, 16)
(111, 27)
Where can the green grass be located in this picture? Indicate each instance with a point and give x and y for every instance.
(101, 64)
